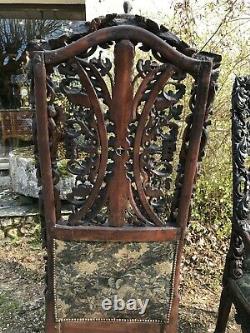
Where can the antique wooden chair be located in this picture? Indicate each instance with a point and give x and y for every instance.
(236, 280)
(133, 149)
(16, 125)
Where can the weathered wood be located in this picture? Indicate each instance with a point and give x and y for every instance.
(236, 281)
(118, 234)
(134, 172)
(40, 90)
(121, 116)
(108, 327)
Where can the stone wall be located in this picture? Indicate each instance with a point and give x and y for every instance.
(23, 175)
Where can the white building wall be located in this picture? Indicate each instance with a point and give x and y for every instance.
(154, 9)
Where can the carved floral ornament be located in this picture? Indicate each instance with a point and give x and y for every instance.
(241, 148)
(129, 103)
(126, 126)
(241, 175)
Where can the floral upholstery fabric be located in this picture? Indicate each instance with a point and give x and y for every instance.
(87, 273)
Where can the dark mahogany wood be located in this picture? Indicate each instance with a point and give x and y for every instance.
(130, 234)
(120, 123)
(47, 182)
(121, 100)
(105, 327)
(125, 32)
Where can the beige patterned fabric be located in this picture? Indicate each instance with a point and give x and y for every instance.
(91, 276)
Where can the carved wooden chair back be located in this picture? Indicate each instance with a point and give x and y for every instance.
(236, 279)
(133, 135)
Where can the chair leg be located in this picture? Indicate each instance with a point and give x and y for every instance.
(173, 325)
(243, 319)
(224, 311)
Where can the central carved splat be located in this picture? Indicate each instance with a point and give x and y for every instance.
(121, 137)
(121, 116)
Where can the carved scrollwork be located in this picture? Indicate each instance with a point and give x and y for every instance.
(122, 129)
(241, 173)
(147, 144)
(112, 20)
(241, 147)
(183, 154)
(158, 144)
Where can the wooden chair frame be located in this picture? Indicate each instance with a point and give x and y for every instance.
(125, 36)
(237, 262)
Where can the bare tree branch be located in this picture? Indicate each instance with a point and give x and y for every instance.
(223, 21)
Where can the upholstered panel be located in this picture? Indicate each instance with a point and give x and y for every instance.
(241, 286)
(87, 273)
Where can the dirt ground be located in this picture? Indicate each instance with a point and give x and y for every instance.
(21, 292)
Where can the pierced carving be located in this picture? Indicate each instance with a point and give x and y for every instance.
(124, 132)
(241, 173)
(136, 155)
(112, 20)
(122, 129)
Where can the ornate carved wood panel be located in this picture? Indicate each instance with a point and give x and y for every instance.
(241, 173)
(236, 279)
(130, 142)
(117, 105)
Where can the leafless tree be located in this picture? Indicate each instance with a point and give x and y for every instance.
(14, 36)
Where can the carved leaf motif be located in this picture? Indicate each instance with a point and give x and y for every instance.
(241, 173)
(121, 137)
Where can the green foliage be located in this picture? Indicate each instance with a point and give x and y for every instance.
(212, 206)
(8, 305)
(62, 168)
(222, 27)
